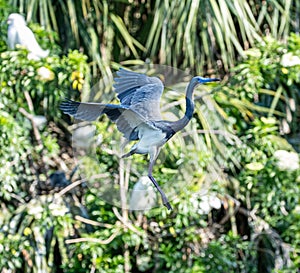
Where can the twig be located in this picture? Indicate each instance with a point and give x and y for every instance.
(123, 192)
(262, 224)
(36, 132)
(93, 269)
(123, 189)
(125, 223)
(21, 200)
(69, 187)
(236, 205)
(76, 183)
(91, 222)
(29, 101)
(30, 117)
(94, 240)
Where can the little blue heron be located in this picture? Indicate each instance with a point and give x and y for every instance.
(138, 114)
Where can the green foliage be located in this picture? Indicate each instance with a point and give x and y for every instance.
(31, 226)
(14, 142)
(33, 232)
(11, 247)
(36, 89)
(270, 75)
(263, 178)
(175, 242)
(52, 228)
(268, 181)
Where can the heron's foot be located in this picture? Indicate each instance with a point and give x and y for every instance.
(165, 200)
(168, 206)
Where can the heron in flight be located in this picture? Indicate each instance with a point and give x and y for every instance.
(19, 33)
(138, 115)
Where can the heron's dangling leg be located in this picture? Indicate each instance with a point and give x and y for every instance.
(164, 198)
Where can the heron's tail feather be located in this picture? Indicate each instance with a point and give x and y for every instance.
(91, 111)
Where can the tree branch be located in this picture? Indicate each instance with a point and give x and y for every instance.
(94, 240)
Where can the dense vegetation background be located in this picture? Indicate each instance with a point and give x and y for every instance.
(239, 211)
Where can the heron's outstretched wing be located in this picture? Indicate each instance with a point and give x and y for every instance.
(140, 93)
(126, 119)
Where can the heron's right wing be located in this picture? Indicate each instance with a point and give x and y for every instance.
(140, 93)
(126, 119)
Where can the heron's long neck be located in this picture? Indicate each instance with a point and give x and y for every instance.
(189, 107)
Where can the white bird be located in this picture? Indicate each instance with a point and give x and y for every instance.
(19, 33)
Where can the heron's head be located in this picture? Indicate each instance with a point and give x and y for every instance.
(16, 19)
(202, 80)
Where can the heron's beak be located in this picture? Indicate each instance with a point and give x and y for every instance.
(206, 80)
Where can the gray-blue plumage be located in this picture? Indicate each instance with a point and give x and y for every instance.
(138, 115)
(140, 92)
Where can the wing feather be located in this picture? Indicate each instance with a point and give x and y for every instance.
(140, 93)
(127, 120)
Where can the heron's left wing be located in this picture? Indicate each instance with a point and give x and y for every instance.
(126, 119)
(140, 93)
